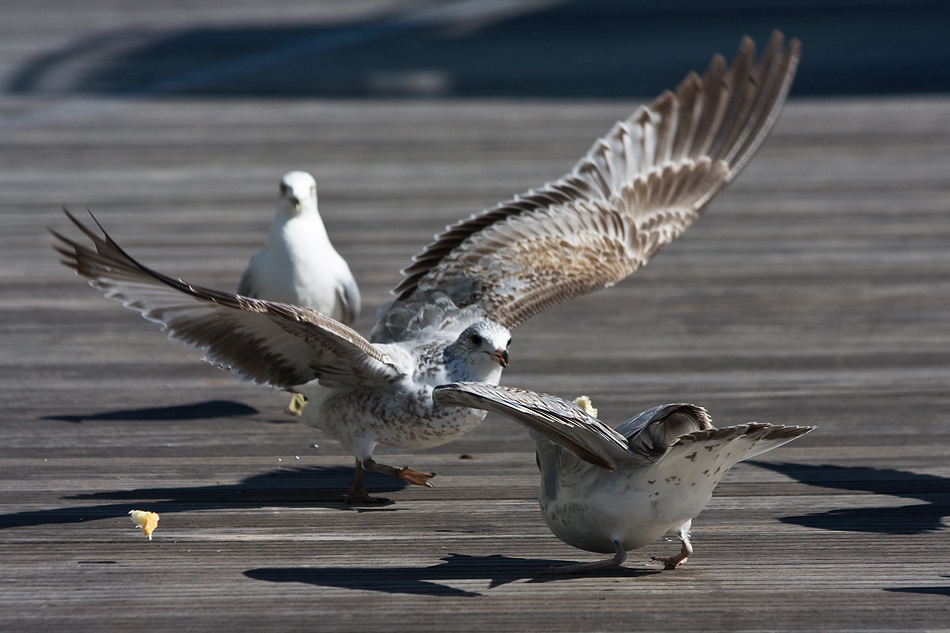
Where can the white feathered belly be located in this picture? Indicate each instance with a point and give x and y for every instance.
(361, 419)
(637, 513)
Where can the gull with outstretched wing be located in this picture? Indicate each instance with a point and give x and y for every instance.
(637, 188)
(613, 490)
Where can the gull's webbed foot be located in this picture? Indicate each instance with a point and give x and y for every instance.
(414, 477)
(359, 495)
(580, 568)
(673, 562)
(357, 492)
(297, 402)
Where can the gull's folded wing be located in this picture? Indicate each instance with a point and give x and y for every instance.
(560, 421)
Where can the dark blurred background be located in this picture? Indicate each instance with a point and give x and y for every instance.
(496, 48)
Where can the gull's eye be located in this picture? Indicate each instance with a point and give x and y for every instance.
(313, 189)
(476, 339)
(508, 344)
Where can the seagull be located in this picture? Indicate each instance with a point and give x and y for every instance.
(637, 188)
(298, 264)
(613, 490)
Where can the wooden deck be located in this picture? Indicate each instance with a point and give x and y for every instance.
(815, 291)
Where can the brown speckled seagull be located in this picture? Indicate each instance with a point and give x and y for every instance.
(612, 490)
(637, 188)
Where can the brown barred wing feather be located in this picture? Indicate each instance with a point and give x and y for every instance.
(636, 189)
(267, 342)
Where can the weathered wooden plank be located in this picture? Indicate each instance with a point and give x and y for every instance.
(813, 293)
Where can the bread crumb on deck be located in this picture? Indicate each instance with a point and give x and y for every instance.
(147, 521)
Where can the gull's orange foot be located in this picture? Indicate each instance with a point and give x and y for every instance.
(415, 477)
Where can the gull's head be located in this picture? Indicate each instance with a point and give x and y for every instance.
(479, 353)
(298, 193)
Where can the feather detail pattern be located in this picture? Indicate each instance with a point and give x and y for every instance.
(637, 189)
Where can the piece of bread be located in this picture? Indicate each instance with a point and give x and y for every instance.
(584, 403)
(147, 521)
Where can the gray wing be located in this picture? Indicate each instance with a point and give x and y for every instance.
(655, 430)
(637, 189)
(267, 342)
(560, 421)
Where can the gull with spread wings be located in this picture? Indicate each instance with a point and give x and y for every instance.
(637, 188)
(612, 490)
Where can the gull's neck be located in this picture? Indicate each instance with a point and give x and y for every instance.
(289, 221)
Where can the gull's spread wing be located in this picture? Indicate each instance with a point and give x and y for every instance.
(637, 189)
(270, 343)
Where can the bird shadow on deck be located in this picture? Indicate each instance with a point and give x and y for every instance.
(497, 569)
(311, 487)
(930, 591)
(917, 518)
(209, 410)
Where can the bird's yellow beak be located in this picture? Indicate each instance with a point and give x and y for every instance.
(501, 355)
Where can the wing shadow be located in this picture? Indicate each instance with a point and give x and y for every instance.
(497, 569)
(932, 591)
(917, 518)
(209, 410)
(288, 486)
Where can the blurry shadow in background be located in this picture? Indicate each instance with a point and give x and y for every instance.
(518, 48)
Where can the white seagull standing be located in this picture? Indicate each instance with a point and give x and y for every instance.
(298, 264)
(637, 188)
(613, 490)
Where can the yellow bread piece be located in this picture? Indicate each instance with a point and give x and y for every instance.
(584, 403)
(147, 521)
